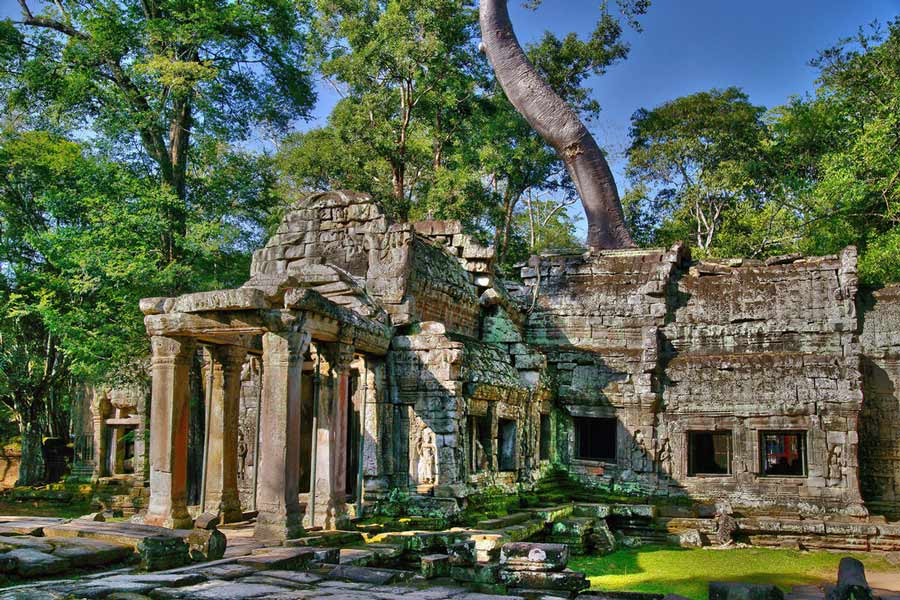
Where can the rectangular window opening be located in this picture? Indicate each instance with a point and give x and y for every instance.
(595, 438)
(544, 442)
(783, 453)
(709, 453)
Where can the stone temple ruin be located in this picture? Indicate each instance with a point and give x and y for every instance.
(363, 357)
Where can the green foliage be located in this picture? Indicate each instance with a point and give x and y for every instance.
(423, 126)
(691, 160)
(814, 176)
(395, 505)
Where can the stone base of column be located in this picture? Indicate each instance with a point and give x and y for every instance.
(228, 507)
(273, 527)
(169, 521)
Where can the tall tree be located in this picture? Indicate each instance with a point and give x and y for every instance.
(409, 75)
(151, 77)
(694, 156)
(557, 122)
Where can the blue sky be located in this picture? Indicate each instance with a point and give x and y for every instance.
(762, 46)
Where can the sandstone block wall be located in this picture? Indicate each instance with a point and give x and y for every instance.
(667, 348)
(879, 421)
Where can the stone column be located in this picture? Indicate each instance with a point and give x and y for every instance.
(169, 413)
(279, 446)
(100, 409)
(221, 456)
(331, 438)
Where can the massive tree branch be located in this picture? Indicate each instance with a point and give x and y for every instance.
(559, 125)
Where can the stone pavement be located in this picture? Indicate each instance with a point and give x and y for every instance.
(230, 579)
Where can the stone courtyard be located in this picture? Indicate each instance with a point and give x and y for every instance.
(377, 406)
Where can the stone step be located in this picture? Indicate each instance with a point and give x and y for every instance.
(27, 525)
(368, 575)
(553, 513)
(356, 557)
(327, 538)
(279, 558)
(508, 520)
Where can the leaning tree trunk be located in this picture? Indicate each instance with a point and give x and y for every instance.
(559, 125)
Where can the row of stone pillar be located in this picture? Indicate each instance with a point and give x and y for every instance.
(278, 463)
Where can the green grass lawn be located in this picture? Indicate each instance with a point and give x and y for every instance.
(664, 569)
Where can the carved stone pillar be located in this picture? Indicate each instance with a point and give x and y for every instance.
(221, 456)
(279, 447)
(331, 438)
(100, 409)
(170, 367)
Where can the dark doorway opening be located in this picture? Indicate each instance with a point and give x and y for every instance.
(308, 385)
(354, 411)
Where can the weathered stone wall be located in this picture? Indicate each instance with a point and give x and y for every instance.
(667, 349)
(754, 347)
(879, 445)
(478, 370)
(596, 318)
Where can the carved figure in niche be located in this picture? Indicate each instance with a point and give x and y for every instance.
(481, 459)
(665, 457)
(836, 464)
(639, 454)
(427, 451)
(243, 450)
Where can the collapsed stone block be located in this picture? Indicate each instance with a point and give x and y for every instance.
(480, 573)
(525, 556)
(462, 554)
(160, 552)
(435, 565)
(567, 580)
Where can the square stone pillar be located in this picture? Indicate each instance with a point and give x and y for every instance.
(331, 439)
(169, 414)
(221, 456)
(279, 437)
(100, 409)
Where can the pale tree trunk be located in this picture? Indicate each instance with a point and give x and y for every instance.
(559, 125)
(32, 470)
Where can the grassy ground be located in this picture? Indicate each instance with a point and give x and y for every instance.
(688, 572)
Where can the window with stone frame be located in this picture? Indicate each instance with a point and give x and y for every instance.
(596, 438)
(545, 438)
(709, 453)
(783, 453)
(506, 444)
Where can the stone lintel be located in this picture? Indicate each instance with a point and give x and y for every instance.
(221, 300)
(228, 328)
